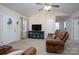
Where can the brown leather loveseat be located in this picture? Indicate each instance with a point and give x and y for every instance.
(55, 42)
(5, 49)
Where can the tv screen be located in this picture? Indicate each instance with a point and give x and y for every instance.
(36, 27)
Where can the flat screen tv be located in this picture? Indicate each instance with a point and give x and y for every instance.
(36, 27)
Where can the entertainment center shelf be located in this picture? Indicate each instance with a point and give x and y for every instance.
(36, 34)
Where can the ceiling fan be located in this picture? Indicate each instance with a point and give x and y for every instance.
(47, 6)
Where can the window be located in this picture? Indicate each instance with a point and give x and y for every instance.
(64, 25)
(57, 25)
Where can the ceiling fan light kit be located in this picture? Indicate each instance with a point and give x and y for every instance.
(47, 7)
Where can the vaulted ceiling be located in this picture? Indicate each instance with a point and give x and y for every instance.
(28, 9)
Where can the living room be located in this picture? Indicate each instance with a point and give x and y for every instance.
(25, 25)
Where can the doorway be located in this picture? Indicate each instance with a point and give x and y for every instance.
(23, 28)
(60, 22)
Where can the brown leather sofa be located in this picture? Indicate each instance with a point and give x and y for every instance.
(5, 49)
(55, 42)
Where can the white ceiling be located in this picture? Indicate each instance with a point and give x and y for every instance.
(28, 9)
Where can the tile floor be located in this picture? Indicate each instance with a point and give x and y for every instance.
(71, 46)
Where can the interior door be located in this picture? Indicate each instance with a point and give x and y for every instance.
(76, 29)
(9, 29)
(1, 43)
(23, 28)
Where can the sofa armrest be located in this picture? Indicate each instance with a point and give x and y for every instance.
(30, 51)
(54, 42)
(4, 49)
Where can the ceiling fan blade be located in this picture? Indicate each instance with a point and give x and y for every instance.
(55, 6)
(40, 9)
(49, 10)
(39, 3)
(46, 4)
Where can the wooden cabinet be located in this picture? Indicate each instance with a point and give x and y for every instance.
(36, 34)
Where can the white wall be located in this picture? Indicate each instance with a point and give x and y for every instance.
(76, 25)
(72, 26)
(69, 27)
(6, 12)
(0, 30)
(47, 19)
